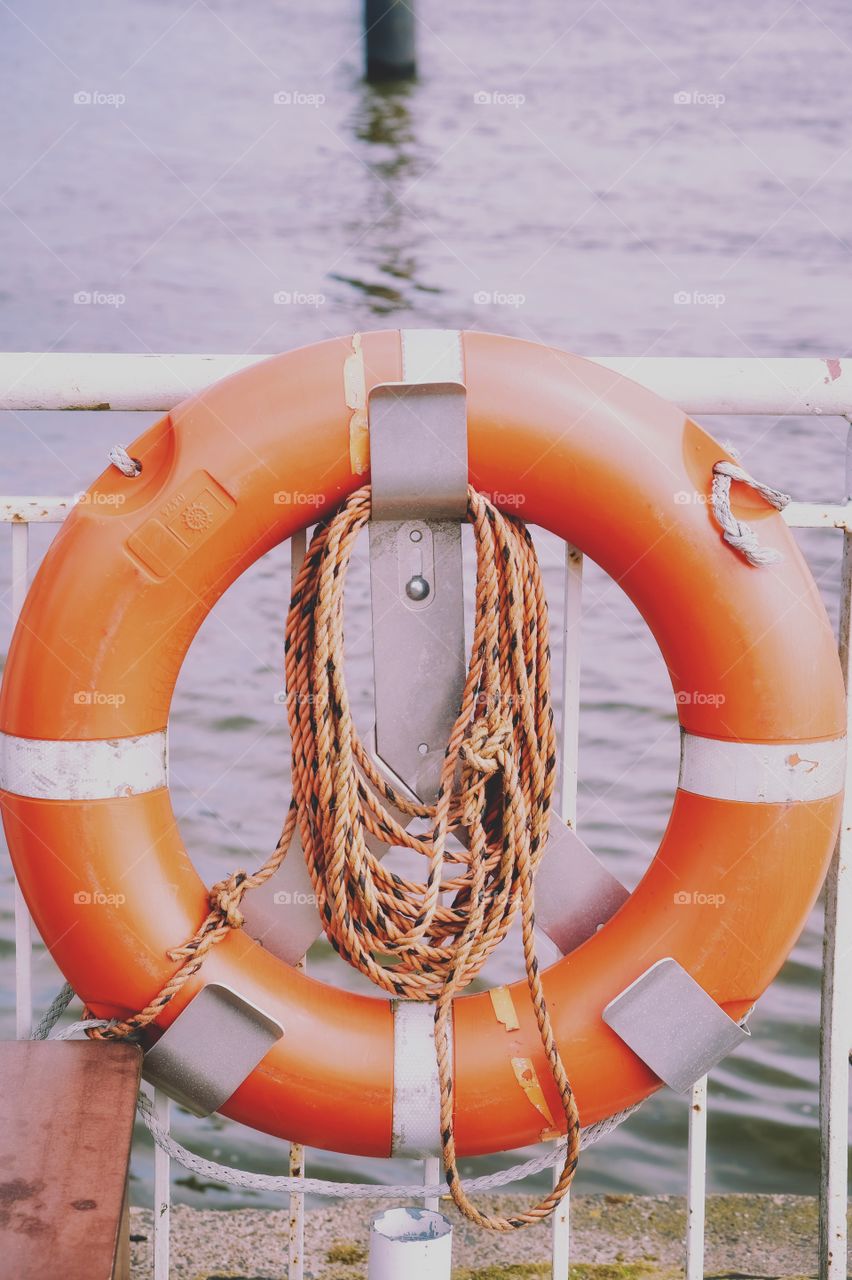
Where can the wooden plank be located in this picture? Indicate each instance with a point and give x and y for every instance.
(66, 1123)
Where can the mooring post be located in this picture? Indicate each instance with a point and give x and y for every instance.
(390, 39)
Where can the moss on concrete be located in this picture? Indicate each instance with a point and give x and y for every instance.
(346, 1251)
(581, 1271)
(520, 1271)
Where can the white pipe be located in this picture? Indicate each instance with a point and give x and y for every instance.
(95, 381)
(819, 515)
(560, 1232)
(410, 1244)
(156, 383)
(752, 385)
(23, 967)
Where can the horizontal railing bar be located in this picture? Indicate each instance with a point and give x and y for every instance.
(144, 383)
(35, 510)
(819, 515)
(774, 386)
(800, 515)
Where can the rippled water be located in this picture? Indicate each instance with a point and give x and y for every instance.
(583, 215)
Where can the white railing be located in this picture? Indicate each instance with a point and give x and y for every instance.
(703, 386)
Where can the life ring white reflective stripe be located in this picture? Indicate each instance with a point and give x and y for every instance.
(69, 769)
(416, 1091)
(432, 355)
(762, 772)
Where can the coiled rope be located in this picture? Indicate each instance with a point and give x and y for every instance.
(496, 784)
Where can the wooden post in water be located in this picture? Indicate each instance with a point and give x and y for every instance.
(390, 39)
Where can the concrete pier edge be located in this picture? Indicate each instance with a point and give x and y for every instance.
(615, 1237)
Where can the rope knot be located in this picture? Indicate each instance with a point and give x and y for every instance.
(225, 898)
(488, 740)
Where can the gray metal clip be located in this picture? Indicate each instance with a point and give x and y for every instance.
(575, 893)
(210, 1049)
(673, 1025)
(418, 465)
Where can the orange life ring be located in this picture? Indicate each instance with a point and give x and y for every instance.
(601, 462)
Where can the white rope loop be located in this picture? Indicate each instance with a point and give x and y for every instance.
(119, 457)
(737, 533)
(313, 1186)
(359, 1190)
(56, 1008)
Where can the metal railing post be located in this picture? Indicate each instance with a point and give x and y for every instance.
(20, 531)
(696, 1180)
(836, 1017)
(431, 1173)
(162, 1190)
(296, 1235)
(571, 620)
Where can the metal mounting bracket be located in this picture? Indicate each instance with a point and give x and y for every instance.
(210, 1049)
(282, 913)
(673, 1025)
(575, 893)
(418, 465)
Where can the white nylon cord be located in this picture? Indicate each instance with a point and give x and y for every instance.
(57, 1007)
(736, 532)
(313, 1186)
(360, 1190)
(119, 457)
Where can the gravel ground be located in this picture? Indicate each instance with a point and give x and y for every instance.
(615, 1237)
